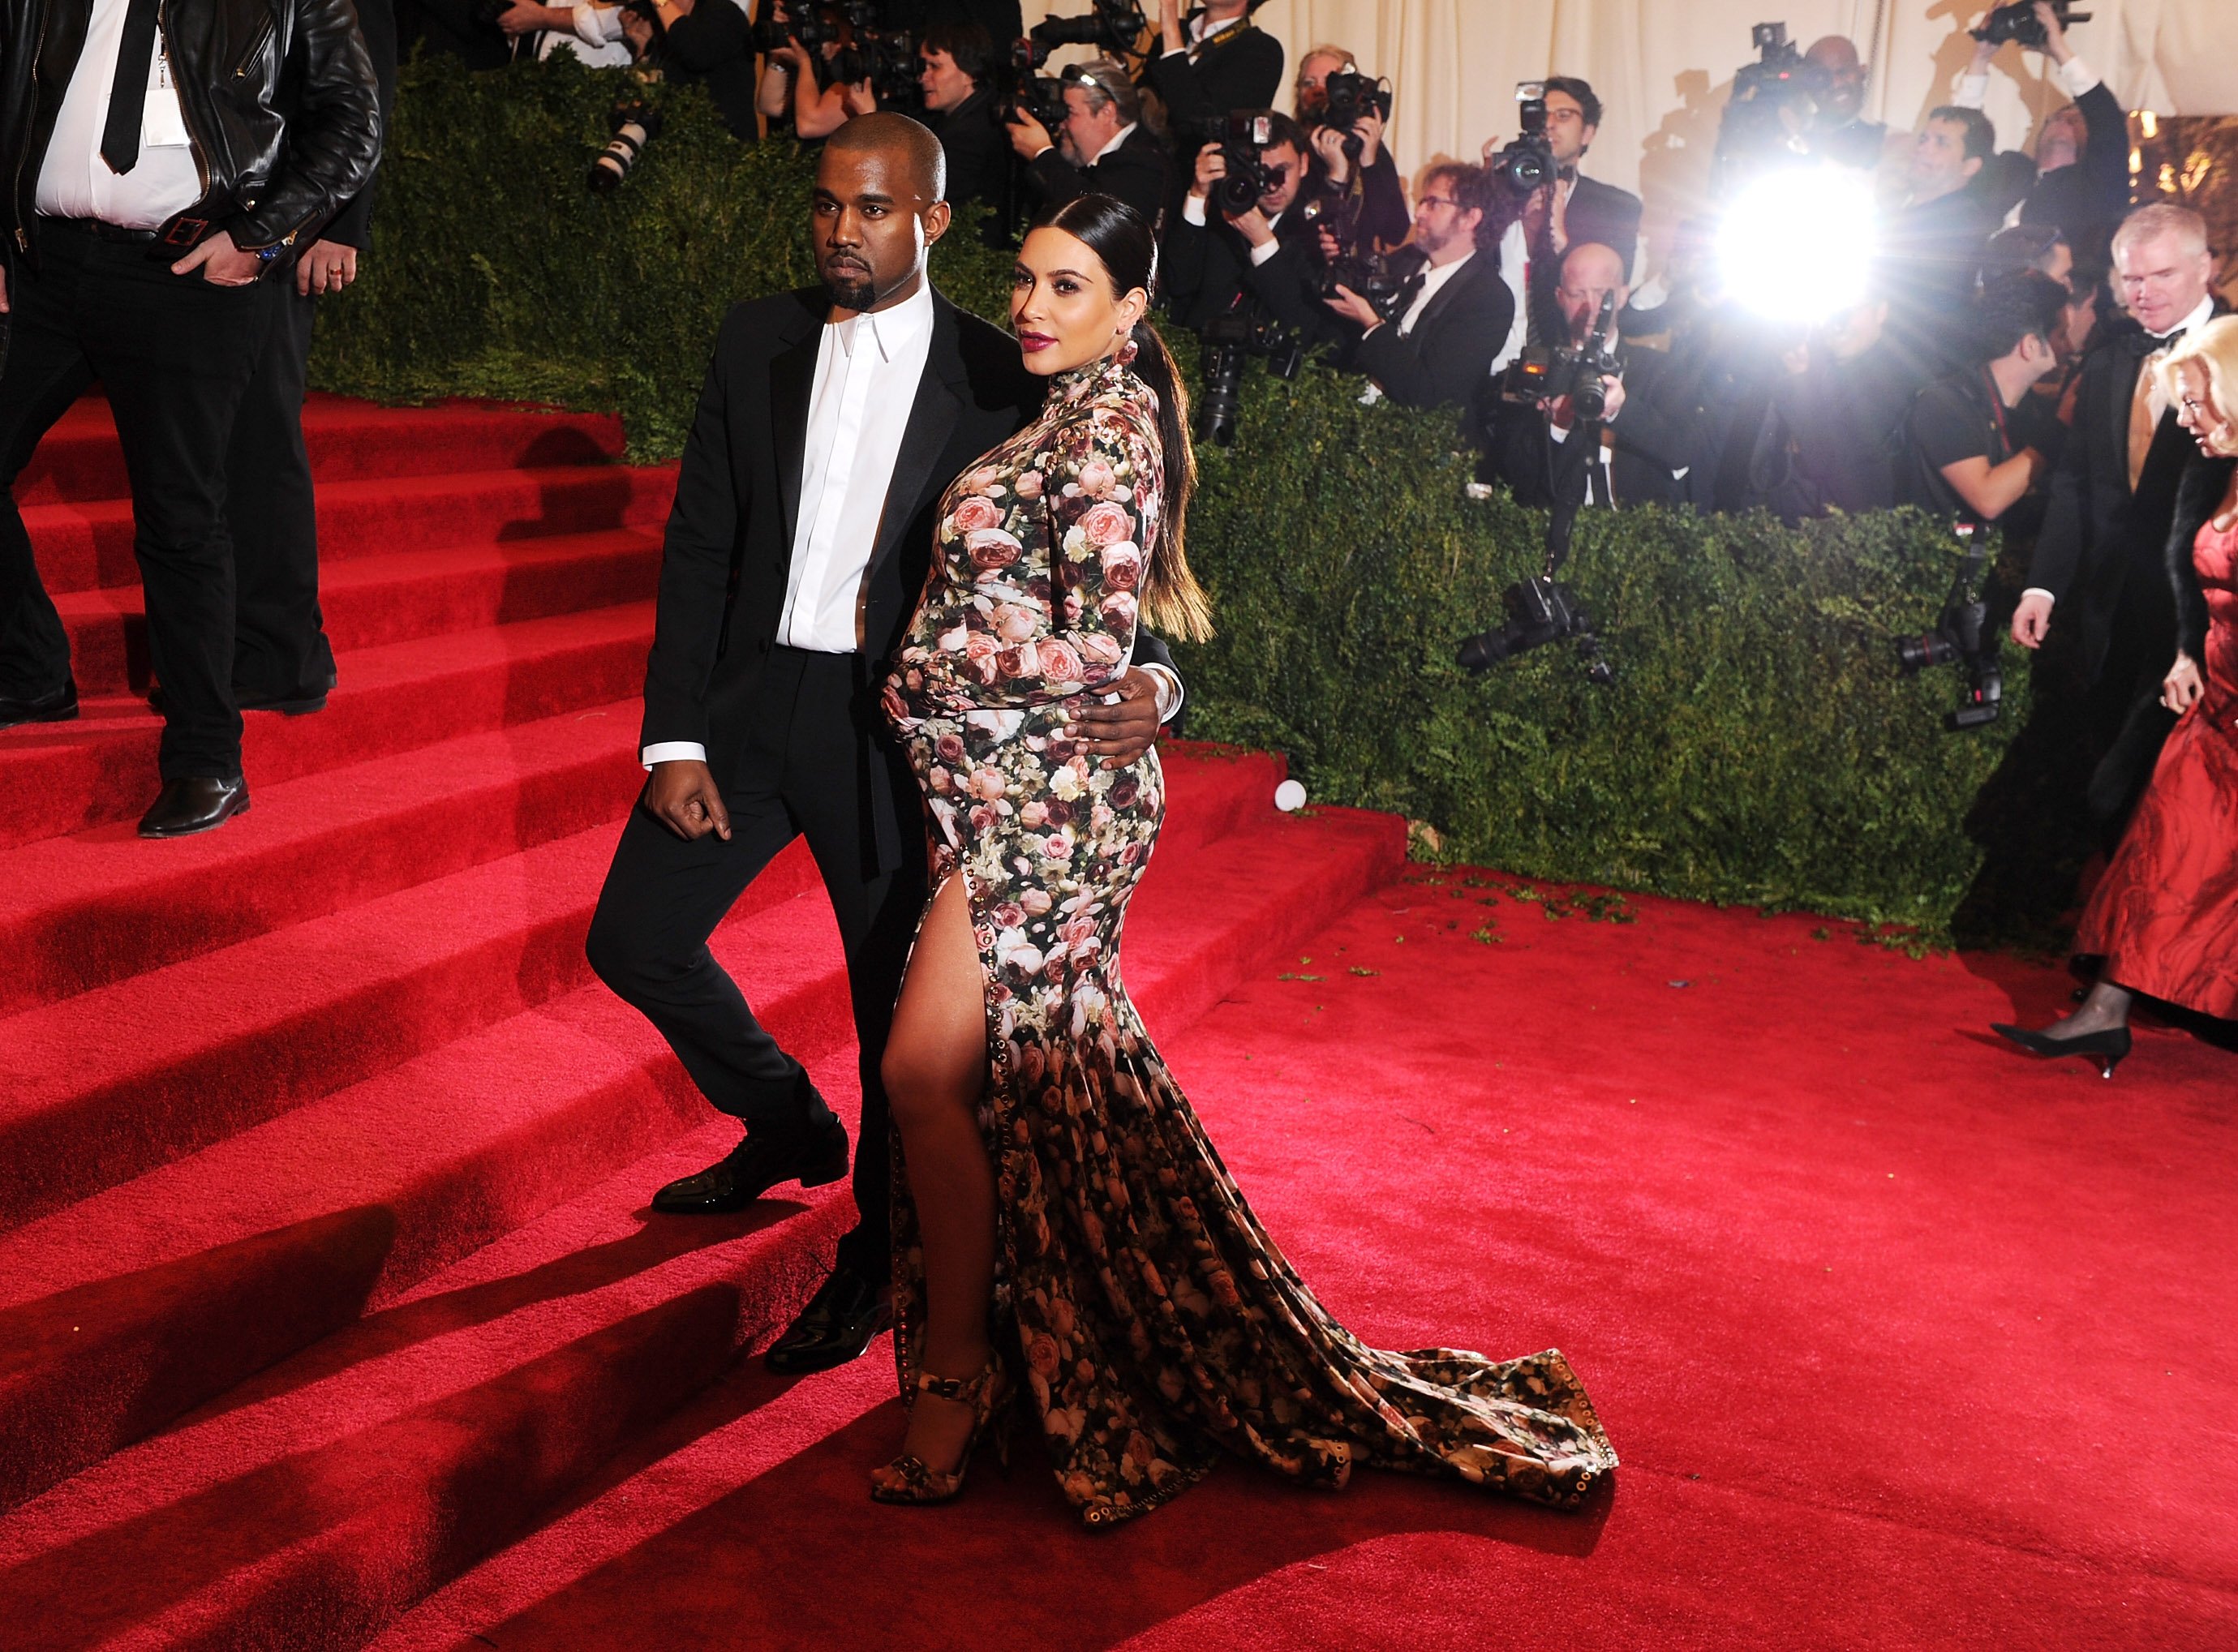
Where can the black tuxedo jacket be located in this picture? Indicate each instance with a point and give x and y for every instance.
(1241, 70)
(1446, 359)
(1207, 267)
(1654, 435)
(1137, 171)
(2101, 543)
(978, 149)
(1597, 212)
(729, 548)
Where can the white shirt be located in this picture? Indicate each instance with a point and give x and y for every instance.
(2075, 77)
(598, 37)
(1193, 212)
(75, 182)
(2158, 401)
(1514, 258)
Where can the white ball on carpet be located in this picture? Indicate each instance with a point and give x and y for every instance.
(1289, 797)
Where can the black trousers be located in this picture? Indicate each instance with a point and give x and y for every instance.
(280, 646)
(2127, 724)
(804, 773)
(174, 355)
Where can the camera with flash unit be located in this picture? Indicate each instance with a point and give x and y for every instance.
(2018, 22)
(1347, 97)
(1243, 136)
(1543, 376)
(1528, 163)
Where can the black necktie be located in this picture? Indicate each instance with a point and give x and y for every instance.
(127, 93)
(1409, 290)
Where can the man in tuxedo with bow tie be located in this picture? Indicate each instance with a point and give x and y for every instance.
(1569, 211)
(2098, 565)
(830, 424)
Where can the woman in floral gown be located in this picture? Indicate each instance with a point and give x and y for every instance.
(1063, 1226)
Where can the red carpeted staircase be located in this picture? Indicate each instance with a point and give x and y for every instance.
(324, 1264)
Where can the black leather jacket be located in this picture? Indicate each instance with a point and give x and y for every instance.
(269, 179)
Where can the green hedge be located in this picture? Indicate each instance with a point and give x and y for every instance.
(1758, 747)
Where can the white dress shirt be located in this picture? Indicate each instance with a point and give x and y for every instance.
(2158, 400)
(598, 39)
(1193, 211)
(1435, 276)
(2075, 77)
(75, 182)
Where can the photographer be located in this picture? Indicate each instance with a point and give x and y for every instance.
(1451, 315)
(592, 33)
(1645, 450)
(707, 41)
(1569, 210)
(1213, 61)
(1839, 131)
(1265, 252)
(1934, 242)
(796, 83)
(1835, 428)
(958, 63)
(1106, 149)
(1364, 197)
(1977, 446)
(2081, 181)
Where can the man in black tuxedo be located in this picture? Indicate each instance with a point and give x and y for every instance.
(1451, 316)
(956, 63)
(1569, 211)
(1212, 62)
(1265, 258)
(1932, 245)
(830, 424)
(1648, 433)
(1106, 148)
(2098, 563)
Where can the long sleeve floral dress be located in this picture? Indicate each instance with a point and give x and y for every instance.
(1155, 1322)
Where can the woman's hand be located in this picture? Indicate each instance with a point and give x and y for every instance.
(1328, 143)
(2183, 686)
(857, 98)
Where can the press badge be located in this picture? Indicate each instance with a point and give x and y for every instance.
(162, 124)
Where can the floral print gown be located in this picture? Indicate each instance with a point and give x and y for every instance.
(1153, 1322)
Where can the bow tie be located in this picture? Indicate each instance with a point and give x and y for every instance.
(2159, 343)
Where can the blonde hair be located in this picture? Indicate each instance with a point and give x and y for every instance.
(2215, 347)
(1344, 60)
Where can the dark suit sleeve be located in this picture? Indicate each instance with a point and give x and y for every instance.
(1055, 179)
(1288, 284)
(1185, 267)
(2059, 542)
(1136, 173)
(1383, 206)
(708, 36)
(353, 225)
(1654, 424)
(1245, 73)
(695, 562)
(2105, 150)
(1606, 215)
(1447, 358)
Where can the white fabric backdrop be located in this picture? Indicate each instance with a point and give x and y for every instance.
(1663, 68)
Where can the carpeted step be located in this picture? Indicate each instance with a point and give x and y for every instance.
(374, 601)
(77, 913)
(528, 1108)
(84, 546)
(348, 441)
(318, 1500)
(67, 777)
(104, 1086)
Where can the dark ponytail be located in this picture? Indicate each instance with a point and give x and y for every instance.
(1172, 601)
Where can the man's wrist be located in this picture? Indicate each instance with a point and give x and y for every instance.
(2075, 77)
(2038, 591)
(673, 752)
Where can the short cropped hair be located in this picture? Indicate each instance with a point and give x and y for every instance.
(2163, 218)
(1981, 136)
(2023, 247)
(2016, 307)
(1588, 105)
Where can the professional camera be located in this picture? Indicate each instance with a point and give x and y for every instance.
(817, 25)
(1528, 163)
(635, 125)
(1347, 97)
(885, 57)
(1539, 610)
(2018, 22)
(1113, 28)
(1240, 137)
(1023, 92)
(1229, 341)
(1963, 636)
(1543, 375)
(1377, 277)
(1774, 100)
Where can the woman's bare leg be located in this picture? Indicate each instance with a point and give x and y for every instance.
(936, 1073)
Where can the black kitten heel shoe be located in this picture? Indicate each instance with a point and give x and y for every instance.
(2108, 1048)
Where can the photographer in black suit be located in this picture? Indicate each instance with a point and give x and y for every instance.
(1352, 173)
(1267, 255)
(1648, 434)
(830, 423)
(1569, 211)
(2098, 571)
(1447, 322)
(957, 64)
(1104, 147)
(1212, 62)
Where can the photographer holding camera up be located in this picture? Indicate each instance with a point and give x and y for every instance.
(1563, 209)
(1645, 450)
(1352, 174)
(1432, 343)
(1106, 149)
(1977, 445)
(958, 64)
(1239, 238)
(1212, 61)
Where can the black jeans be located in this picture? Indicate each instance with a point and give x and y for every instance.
(803, 774)
(280, 645)
(174, 355)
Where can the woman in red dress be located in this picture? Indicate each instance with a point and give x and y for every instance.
(2164, 919)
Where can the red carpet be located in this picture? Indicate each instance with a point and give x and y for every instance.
(331, 1313)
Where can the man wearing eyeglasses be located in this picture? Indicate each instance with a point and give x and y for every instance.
(1452, 315)
(1103, 147)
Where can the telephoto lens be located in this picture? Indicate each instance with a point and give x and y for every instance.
(635, 126)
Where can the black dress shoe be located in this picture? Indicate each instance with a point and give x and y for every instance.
(185, 807)
(60, 706)
(297, 702)
(841, 1320)
(754, 1167)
